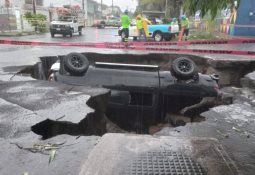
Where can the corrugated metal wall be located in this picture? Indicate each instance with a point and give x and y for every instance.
(245, 22)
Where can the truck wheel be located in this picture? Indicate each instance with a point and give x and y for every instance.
(76, 63)
(71, 33)
(183, 68)
(135, 38)
(168, 37)
(80, 31)
(102, 26)
(52, 34)
(158, 36)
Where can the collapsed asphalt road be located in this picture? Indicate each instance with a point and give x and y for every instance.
(25, 104)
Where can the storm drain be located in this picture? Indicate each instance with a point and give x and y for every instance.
(164, 163)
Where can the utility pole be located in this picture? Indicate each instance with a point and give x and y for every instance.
(86, 10)
(112, 7)
(101, 8)
(34, 6)
(7, 5)
(166, 8)
(34, 11)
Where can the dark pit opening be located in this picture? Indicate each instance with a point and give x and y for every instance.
(169, 113)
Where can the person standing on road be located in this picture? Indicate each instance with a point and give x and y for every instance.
(185, 26)
(174, 21)
(139, 26)
(146, 22)
(125, 22)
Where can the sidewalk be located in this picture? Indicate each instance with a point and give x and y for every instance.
(15, 33)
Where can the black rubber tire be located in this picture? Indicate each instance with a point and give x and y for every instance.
(76, 63)
(135, 38)
(158, 36)
(168, 38)
(183, 68)
(71, 33)
(80, 31)
(102, 26)
(52, 34)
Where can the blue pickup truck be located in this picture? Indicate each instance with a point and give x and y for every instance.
(156, 31)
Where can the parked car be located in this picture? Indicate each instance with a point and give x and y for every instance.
(110, 21)
(139, 93)
(157, 31)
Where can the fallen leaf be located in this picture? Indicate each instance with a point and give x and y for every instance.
(52, 155)
(237, 130)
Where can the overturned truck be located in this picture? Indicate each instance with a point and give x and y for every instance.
(141, 95)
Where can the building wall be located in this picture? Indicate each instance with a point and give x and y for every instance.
(16, 3)
(20, 3)
(108, 11)
(92, 8)
(13, 21)
(245, 20)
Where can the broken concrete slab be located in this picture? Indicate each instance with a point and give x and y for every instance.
(249, 80)
(24, 104)
(133, 154)
(50, 100)
(233, 125)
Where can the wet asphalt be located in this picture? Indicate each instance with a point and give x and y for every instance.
(25, 101)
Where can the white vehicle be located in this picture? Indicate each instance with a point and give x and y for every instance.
(69, 21)
(157, 31)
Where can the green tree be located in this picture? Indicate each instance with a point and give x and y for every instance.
(208, 6)
(37, 20)
(173, 6)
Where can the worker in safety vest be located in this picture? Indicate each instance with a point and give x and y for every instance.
(125, 22)
(185, 26)
(174, 21)
(140, 29)
(143, 24)
(146, 22)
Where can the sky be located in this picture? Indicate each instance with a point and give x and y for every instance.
(123, 4)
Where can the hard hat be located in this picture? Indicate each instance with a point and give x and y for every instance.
(126, 12)
(174, 19)
(183, 17)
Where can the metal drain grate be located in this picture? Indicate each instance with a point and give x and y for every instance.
(163, 163)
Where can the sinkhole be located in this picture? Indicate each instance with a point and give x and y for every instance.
(143, 99)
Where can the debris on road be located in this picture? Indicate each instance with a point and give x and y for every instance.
(52, 155)
(222, 134)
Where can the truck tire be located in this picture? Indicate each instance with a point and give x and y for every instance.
(158, 36)
(102, 25)
(76, 63)
(183, 68)
(168, 37)
(80, 31)
(135, 38)
(71, 33)
(52, 34)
